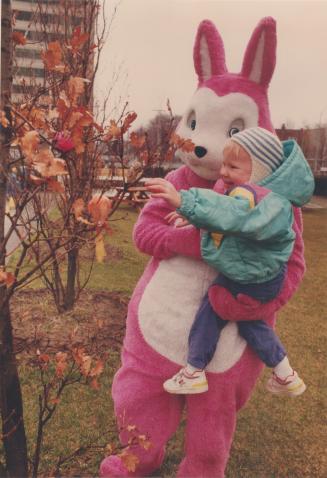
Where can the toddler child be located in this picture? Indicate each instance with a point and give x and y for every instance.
(247, 236)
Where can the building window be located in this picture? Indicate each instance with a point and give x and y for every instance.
(28, 53)
(30, 71)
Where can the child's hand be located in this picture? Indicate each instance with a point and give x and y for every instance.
(161, 188)
(176, 219)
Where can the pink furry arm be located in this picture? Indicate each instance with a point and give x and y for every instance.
(245, 308)
(154, 236)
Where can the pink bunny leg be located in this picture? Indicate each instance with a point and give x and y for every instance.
(141, 401)
(211, 418)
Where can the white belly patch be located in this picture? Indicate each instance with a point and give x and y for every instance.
(168, 308)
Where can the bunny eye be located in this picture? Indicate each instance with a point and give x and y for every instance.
(235, 126)
(191, 120)
(233, 131)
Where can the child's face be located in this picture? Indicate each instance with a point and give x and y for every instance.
(237, 165)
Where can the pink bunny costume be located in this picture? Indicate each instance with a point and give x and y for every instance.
(167, 296)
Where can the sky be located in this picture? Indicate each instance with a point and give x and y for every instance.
(151, 45)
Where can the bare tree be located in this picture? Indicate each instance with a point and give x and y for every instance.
(13, 431)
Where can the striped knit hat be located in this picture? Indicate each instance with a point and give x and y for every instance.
(265, 149)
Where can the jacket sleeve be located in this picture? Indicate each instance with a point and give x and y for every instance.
(270, 219)
(245, 308)
(155, 237)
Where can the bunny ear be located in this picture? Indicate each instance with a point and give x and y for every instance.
(260, 56)
(208, 54)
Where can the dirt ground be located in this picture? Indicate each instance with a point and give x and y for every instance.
(97, 321)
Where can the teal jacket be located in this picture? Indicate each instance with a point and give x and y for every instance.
(248, 233)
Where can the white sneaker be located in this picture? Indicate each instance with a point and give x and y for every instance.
(292, 385)
(185, 382)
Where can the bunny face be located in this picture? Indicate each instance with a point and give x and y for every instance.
(226, 103)
(209, 121)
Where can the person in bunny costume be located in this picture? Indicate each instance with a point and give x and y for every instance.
(167, 296)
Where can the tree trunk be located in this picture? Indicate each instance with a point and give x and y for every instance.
(71, 279)
(13, 431)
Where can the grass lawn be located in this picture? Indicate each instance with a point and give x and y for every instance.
(275, 438)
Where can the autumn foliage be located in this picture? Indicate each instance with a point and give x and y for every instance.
(59, 192)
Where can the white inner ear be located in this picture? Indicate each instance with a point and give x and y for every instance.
(205, 59)
(256, 70)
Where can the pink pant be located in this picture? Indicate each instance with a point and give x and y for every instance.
(211, 417)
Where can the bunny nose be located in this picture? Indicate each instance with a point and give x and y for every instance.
(200, 151)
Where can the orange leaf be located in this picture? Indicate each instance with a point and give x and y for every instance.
(99, 208)
(78, 355)
(62, 104)
(44, 358)
(76, 86)
(82, 360)
(37, 117)
(176, 140)
(129, 460)
(4, 121)
(113, 131)
(170, 154)
(61, 359)
(19, 38)
(78, 39)
(47, 165)
(78, 208)
(144, 442)
(128, 121)
(181, 143)
(144, 157)
(77, 139)
(137, 140)
(55, 186)
(187, 146)
(52, 56)
(100, 251)
(36, 180)
(95, 384)
(131, 428)
(29, 144)
(7, 277)
(97, 369)
(72, 119)
(86, 365)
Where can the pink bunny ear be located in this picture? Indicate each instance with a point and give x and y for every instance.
(260, 55)
(208, 54)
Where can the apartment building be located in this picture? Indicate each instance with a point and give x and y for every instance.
(40, 22)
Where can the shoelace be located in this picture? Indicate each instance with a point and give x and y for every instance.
(179, 376)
